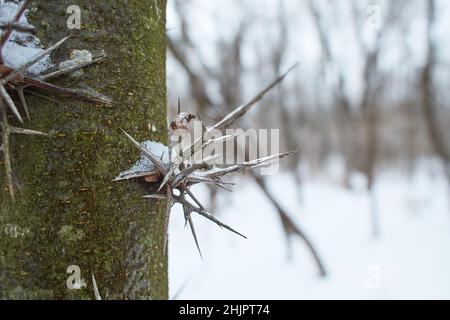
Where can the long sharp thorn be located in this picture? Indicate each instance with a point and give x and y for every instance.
(27, 131)
(202, 179)
(7, 98)
(185, 215)
(196, 166)
(209, 216)
(203, 124)
(155, 196)
(167, 219)
(191, 225)
(167, 177)
(154, 159)
(219, 185)
(30, 63)
(191, 150)
(248, 165)
(219, 223)
(58, 73)
(23, 101)
(66, 92)
(193, 197)
(240, 111)
(180, 289)
(15, 26)
(203, 212)
(185, 209)
(32, 93)
(179, 106)
(96, 292)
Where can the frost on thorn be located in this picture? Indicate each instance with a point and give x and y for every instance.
(144, 167)
(77, 57)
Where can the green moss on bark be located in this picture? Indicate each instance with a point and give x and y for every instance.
(72, 211)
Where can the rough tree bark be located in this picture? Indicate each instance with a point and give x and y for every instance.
(69, 212)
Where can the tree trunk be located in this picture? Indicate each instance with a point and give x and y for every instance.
(69, 212)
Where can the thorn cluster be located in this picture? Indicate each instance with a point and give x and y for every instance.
(175, 178)
(20, 80)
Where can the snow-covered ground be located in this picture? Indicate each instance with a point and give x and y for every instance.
(411, 259)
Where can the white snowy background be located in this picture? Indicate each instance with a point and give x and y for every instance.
(410, 260)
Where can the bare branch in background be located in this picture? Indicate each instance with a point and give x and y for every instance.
(198, 91)
(343, 115)
(288, 225)
(368, 104)
(429, 105)
(278, 58)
